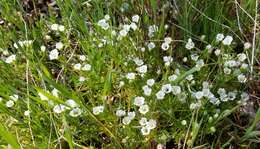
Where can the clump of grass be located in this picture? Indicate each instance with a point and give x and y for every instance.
(148, 74)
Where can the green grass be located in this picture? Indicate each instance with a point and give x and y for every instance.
(208, 126)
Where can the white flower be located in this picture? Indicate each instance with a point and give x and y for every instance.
(135, 18)
(10, 59)
(168, 40)
(55, 92)
(144, 109)
(121, 84)
(54, 27)
(9, 103)
(184, 122)
(126, 120)
(43, 97)
(59, 108)
(185, 59)
(160, 95)
(145, 131)
(82, 79)
(247, 45)
(106, 17)
(130, 76)
(151, 45)
(244, 96)
(244, 66)
(138, 101)
(199, 95)
(138, 61)
(142, 69)
(172, 77)
(242, 78)
(27, 113)
(86, 67)
(167, 88)
(120, 113)
(43, 48)
(61, 28)
(219, 37)
(176, 90)
(143, 121)
(165, 46)
(131, 115)
(123, 33)
(150, 82)
(190, 44)
(59, 45)
(151, 30)
(77, 66)
(228, 40)
(75, 112)
(151, 124)
(97, 110)
(227, 70)
(189, 77)
(71, 103)
(133, 26)
(194, 57)
(217, 52)
(241, 57)
(54, 54)
(147, 90)
(82, 57)
(206, 92)
(103, 24)
(14, 97)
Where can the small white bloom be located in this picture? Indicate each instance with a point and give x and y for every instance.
(43, 97)
(75, 112)
(151, 124)
(120, 113)
(219, 37)
(167, 88)
(142, 69)
(10, 59)
(199, 95)
(130, 76)
(228, 40)
(55, 92)
(168, 40)
(241, 57)
(150, 82)
(86, 67)
(59, 45)
(106, 17)
(135, 18)
(190, 44)
(103, 24)
(143, 121)
(133, 26)
(77, 66)
(160, 95)
(194, 57)
(189, 77)
(165, 46)
(9, 103)
(144, 109)
(27, 113)
(131, 115)
(82, 57)
(147, 90)
(126, 120)
(54, 27)
(242, 78)
(97, 110)
(82, 79)
(172, 77)
(138, 101)
(121, 84)
(217, 52)
(71, 103)
(14, 97)
(185, 59)
(176, 90)
(123, 33)
(151, 45)
(61, 28)
(247, 45)
(54, 54)
(43, 48)
(227, 70)
(59, 108)
(184, 122)
(244, 96)
(145, 131)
